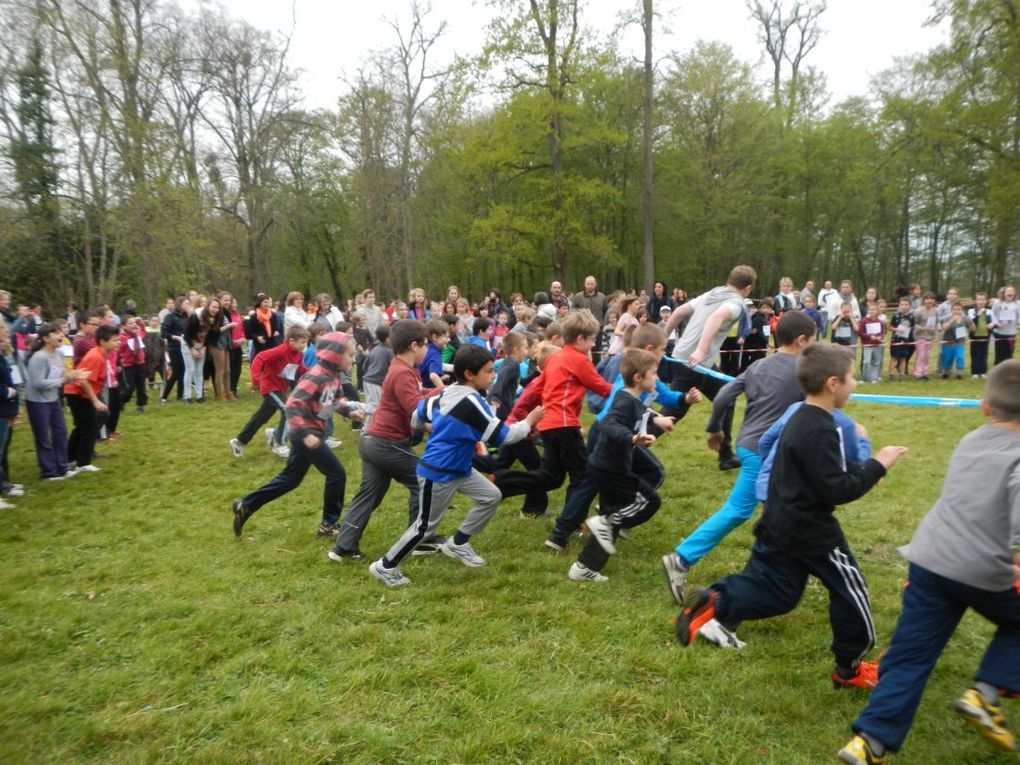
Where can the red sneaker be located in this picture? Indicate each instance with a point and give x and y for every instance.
(694, 617)
(866, 677)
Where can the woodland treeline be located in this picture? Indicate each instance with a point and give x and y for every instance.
(148, 150)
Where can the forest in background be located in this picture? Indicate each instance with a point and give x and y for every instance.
(147, 150)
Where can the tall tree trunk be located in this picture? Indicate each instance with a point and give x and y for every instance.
(648, 257)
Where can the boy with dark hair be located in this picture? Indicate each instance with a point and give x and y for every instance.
(562, 385)
(964, 555)
(386, 445)
(626, 500)
(273, 372)
(431, 367)
(460, 418)
(481, 334)
(770, 386)
(83, 396)
(504, 390)
(376, 366)
(309, 409)
(798, 534)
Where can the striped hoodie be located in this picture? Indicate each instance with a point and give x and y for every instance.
(318, 393)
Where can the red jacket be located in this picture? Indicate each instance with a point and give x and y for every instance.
(567, 375)
(267, 369)
(129, 356)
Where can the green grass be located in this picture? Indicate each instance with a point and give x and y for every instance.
(135, 628)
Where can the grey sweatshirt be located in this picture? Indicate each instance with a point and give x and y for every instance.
(770, 386)
(968, 534)
(45, 377)
(705, 306)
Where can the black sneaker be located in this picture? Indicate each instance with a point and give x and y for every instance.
(556, 542)
(729, 463)
(428, 546)
(241, 514)
(337, 556)
(328, 530)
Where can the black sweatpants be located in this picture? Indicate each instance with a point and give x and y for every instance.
(81, 444)
(272, 404)
(628, 501)
(236, 358)
(773, 582)
(134, 380)
(176, 372)
(564, 456)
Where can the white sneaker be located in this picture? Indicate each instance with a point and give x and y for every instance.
(600, 528)
(715, 633)
(676, 575)
(333, 443)
(581, 573)
(57, 477)
(270, 434)
(71, 472)
(391, 577)
(465, 553)
(236, 447)
(6, 505)
(88, 469)
(281, 451)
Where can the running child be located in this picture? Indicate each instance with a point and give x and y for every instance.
(798, 534)
(460, 418)
(964, 555)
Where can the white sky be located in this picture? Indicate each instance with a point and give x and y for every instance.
(331, 37)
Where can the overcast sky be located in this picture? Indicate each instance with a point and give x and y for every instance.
(331, 37)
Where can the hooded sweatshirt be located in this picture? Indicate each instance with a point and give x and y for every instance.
(318, 393)
(705, 306)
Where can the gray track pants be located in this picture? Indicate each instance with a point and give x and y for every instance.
(433, 501)
(382, 461)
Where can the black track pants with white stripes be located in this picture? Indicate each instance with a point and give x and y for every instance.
(628, 500)
(773, 582)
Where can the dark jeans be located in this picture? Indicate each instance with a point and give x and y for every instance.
(932, 607)
(272, 403)
(773, 583)
(685, 378)
(82, 442)
(1004, 346)
(564, 456)
(301, 458)
(5, 442)
(176, 377)
(50, 433)
(134, 383)
(236, 359)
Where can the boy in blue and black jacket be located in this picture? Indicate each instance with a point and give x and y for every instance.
(460, 418)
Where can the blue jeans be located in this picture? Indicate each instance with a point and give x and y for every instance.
(739, 507)
(932, 607)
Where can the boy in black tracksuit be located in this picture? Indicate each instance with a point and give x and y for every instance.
(798, 534)
(626, 499)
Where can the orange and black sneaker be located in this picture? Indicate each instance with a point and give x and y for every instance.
(695, 616)
(865, 675)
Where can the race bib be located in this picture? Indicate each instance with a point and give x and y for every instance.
(844, 333)
(903, 330)
(873, 328)
(961, 333)
(289, 371)
(930, 323)
(15, 375)
(766, 330)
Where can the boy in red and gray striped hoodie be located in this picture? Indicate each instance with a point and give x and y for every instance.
(309, 409)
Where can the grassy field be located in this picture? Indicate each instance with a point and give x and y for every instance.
(135, 628)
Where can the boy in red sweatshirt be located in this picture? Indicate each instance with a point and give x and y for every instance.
(131, 354)
(567, 375)
(273, 371)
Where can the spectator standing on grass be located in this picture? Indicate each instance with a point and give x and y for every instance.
(901, 347)
(1005, 314)
(592, 300)
(8, 412)
(871, 332)
(925, 329)
(237, 340)
(373, 315)
(172, 330)
(954, 331)
(47, 376)
(263, 326)
(964, 555)
(834, 304)
(83, 399)
(294, 312)
(131, 355)
(981, 317)
(786, 299)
